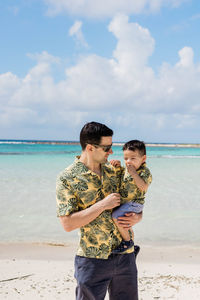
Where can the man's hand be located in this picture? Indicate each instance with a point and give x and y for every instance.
(115, 163)
(85, 216)
(111, 201)
(129, 220)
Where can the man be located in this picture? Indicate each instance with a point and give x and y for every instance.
(87, 191)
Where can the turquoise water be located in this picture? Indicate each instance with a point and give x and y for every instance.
(27, 199)
(28, 148)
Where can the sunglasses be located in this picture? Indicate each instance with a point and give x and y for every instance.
(104, 147)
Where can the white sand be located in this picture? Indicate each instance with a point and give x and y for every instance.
(38, 271)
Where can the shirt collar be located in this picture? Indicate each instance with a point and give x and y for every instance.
(84, 169)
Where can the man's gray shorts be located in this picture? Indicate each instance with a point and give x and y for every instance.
(117, 274)
(127, 208)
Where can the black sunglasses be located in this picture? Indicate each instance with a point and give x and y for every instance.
(104, 147)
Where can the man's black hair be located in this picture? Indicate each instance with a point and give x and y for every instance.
(92, 132)
(135, 145)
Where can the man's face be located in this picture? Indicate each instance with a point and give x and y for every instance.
(99, 153)
(134, 158)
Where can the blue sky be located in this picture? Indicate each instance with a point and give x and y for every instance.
(133, 65)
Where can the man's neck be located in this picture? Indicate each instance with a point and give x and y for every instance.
(90, 164)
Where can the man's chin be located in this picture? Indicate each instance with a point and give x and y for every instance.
(105, 160)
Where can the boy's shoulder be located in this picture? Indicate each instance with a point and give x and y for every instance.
(143, 167)
(145, 173)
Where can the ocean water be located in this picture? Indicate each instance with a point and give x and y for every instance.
(28, 174)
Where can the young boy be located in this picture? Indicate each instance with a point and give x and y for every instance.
(136, 178)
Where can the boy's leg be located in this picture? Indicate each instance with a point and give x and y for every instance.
(124, 232)
(119, 212)
(127, 241)
(127, 208)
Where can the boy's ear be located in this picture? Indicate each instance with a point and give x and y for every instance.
(144, 158)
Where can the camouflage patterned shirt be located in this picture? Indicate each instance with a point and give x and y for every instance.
(78, 188)
(129, 190)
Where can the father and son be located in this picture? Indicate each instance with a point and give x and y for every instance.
(104, 200)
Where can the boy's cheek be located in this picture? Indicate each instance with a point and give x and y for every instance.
(129, 164)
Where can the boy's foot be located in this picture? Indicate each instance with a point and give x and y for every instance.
(123, 246)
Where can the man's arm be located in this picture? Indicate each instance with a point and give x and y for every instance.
(129, 220)
(83, 217)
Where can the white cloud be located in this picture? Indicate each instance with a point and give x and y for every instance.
(75, 28)
(76, 31)
(44, 57)
(186, 57)
(123, 91)
(8, 83)
(130, 53)
(13, 116)
(107, 8)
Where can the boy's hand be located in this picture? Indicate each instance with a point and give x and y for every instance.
(131, 169)
(115, 163)
(141, 184)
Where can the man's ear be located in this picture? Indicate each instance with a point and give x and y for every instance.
(89, 148)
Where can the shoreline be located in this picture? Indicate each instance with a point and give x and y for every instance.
(37, 270)
(59, 251)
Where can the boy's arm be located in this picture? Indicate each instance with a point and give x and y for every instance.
(141, 184)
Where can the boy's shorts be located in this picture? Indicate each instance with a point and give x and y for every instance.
(127, 208)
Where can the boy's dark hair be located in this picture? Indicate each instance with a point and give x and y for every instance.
(92, 132)
(135, 145)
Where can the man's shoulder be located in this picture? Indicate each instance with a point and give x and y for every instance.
(74, 170)
(65, 175)
(68, 172)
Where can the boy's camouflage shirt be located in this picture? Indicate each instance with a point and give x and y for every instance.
(78, 188)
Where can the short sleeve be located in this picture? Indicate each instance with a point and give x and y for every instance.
(65, 198)
(145, 174)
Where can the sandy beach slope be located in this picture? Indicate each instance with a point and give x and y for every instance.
(45, 271)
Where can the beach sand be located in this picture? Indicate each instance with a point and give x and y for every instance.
(45, 271)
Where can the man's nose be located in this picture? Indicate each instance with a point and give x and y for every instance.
(110, 151)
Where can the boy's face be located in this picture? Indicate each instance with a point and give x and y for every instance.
(134, 158)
